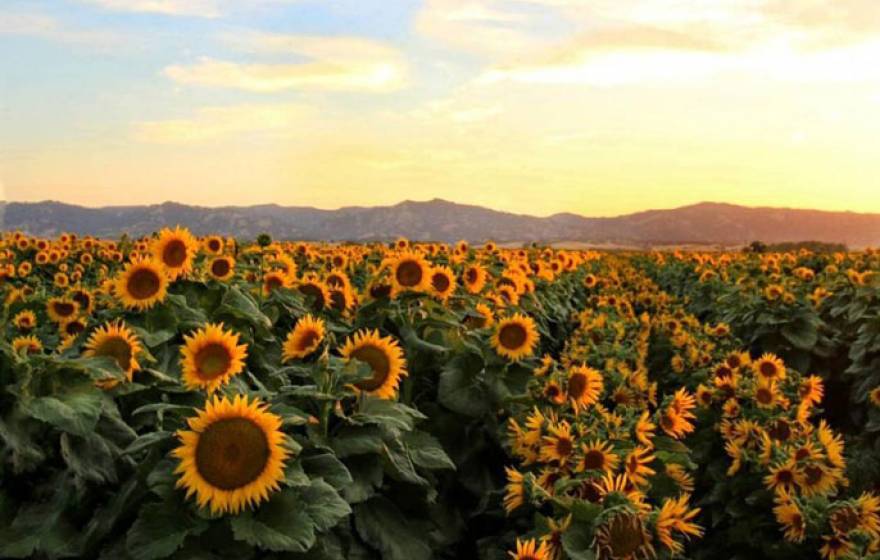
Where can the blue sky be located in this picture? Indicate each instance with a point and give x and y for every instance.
(594, 106)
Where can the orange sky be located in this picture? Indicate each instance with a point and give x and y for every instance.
(536, 106)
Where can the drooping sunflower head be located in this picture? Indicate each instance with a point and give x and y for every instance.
(72, 328)
(623, 536)
(232, 456)
(410, 272)
(274, 280)
(221, 268)
(317, 292)
(25, 320)
(385, 359)
(141, 284)
(27, 345)
(304, 339)
(117, 341)
(515, 337)
(175, 249)
(585, 386)
(210, 357)
(62, 309)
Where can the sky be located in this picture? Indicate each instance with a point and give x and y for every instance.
(599, 107)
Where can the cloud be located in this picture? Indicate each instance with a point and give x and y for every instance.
(46, 27)
(332, 64)
(215, 123)
(191, 8)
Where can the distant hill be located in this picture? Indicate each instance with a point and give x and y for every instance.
(440, 220)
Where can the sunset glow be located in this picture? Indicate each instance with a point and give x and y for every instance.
(599, 107)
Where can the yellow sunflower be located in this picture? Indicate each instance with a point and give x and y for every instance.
(769, 367)
(141, 284)
(316, 291)
(117, 341)
(442, 282)
(232, 456)
(474, 278)
(304, 339)
(61, 309)
(410, 272)
(210, 357)
(530, 550)
(222, 268)
(585, 386)
(175, 249)
(25, 320)
(384, 357)
(597, 456)
(274, 280)
(515, 337)
(213, 244)
(27, 344)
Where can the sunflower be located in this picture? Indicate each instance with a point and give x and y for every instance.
(442, 282)
(585, 386)
(410, 271)
(818, 479)
(232, 456)
(530, 550)
(385, 359)
(117, 341)
(483, 317)
(559, 446)
(274, 280)
(317, 292)
(175, 249)
(784, 476)
(769, 367)
(811, 390)
(303, 339)
(342, 299)
(597, 456)
(514, 490)
(636, 466)
(623, 536)
(515, 337)
(766, 394)
(644, 430)
(474, 278)
(675, 515)
(210, 357)
(25, 320)
(29, 344)
(835, 546)
(222, 268)
(213, 244)
(72, 328)
(141, 284)
(61, 309)
(790, 516)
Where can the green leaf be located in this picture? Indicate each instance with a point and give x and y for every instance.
(427, 452)
(460, 392)
(802, 334)
(328, 467)
(280, 525)
(242, 306)
(385, 528)
(355, 440)
(159, 531)
(577, 541)
(90, 458)
(324, 505)
(75, 412)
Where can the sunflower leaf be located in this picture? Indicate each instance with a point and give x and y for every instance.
(281, 525)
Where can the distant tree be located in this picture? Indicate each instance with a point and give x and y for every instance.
(757, 247)
(264, 240)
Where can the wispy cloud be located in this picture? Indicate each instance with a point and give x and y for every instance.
(215, 123)
(52, 29)
(191, 8)
(332, 64)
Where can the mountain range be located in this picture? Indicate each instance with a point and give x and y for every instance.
(441, 220)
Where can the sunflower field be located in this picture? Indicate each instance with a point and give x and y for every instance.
(183, 397)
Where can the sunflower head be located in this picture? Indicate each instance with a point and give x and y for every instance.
(304, 339)
(410, 272)
(232, 456)
(623, 536)
(210, 357)
(221, 268)
(442, 282)
(317, 292)
(117, 341)
(27, 345)
(515, 337)
(61, 310)
(141, 284)
(385, 359)
(175, 249)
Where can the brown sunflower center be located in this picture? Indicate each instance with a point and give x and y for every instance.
(380, 291)
(409, 273)
(623, 536)
(307, 340)
(813, 475)
(378, 362)
(768, 369)
(764, 395)
(512, 336)
(118, 349)
(273, 282)
(338, 300)
(594, 460)
(214, 244)
(220, 267)
(470, 276)
(313, 291)
(577, 385)
(83, 299)
(174, 253)
(64, 309)
(143, 283)
(564, 447)
(440, 282)
(232, 453)
(785, 476)
(212, 360)
(74, 328)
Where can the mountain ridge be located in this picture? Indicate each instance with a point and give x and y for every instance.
(442, 220)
